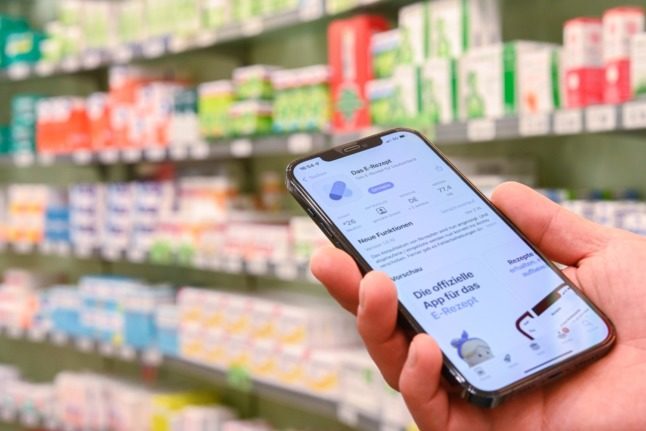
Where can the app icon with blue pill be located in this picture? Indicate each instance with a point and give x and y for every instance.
(339, 191)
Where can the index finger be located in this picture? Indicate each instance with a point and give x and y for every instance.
(339, 274)
(560, 234)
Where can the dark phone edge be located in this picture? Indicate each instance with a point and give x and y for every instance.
(471, 393)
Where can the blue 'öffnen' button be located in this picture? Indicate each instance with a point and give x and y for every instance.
(381, 188)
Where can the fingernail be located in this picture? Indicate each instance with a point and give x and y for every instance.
(362, 295)
(412, 356)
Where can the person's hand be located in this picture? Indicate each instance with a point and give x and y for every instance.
(605, 263)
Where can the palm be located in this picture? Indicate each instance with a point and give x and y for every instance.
(604, 263)
(606, 394)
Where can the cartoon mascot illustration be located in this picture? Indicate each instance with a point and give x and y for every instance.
(473, 351)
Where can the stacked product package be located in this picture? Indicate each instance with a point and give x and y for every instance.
(295, 342)
(144, 110)
(437, 67)
(189, 221)
(20, 302)
(97, 402)
(301, 100)
(252, 113)
(416, 65)
(19, 44)
(101, 25)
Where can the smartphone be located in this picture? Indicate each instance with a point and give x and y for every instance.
(504, 316)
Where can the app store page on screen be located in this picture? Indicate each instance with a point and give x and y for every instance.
(497, 310)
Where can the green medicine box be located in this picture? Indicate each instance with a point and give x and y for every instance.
(23, 47)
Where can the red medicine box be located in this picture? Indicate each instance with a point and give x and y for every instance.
(351, 68)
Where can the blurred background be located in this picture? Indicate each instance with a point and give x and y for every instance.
(155, 272)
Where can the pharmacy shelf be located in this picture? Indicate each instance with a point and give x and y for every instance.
(324, 406)
(284, 270)
(159, 47)
(220, 149)
(628, 117)
(150, 357)
(21, 420)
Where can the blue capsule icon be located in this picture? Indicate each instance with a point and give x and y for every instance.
(339, 191)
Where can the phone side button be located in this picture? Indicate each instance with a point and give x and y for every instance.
(326, 230)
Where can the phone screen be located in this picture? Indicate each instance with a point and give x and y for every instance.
(499, 312)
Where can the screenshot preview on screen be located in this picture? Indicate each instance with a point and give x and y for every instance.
(498, 311)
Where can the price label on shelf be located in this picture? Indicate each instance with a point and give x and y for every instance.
(82, 157)
(18, 71)
(310, 11)
(111, 253)
(109, 156)
(59, 338)
(253, 27)
(131, 155)
(481, 130)
(46, 248)
(299, 143)
(568, 122)
(107, 349)
(233, 265)
(257, 266)
(84, 345)
(214, 263)
(179, 153)
(36, 334)
(127, 353)
(24, 247)
(179, 44)
(154, 154)
(241, 148)
(601, 118)
(123, 54)
(82, 251)
(15, 332)
(200, 151)
(534, 125)
(62, 249)
(287, 270)
(339, 7)
(152, 357)
(46, 159)
(154, 48)
(91, 59)
(348, 414)
(24, 159)
(634, 115)
(207, 38)
(71, 64)
(200, 261)
(45, 68)
(136, 255)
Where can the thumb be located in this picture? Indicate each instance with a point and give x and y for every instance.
(420, 385)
